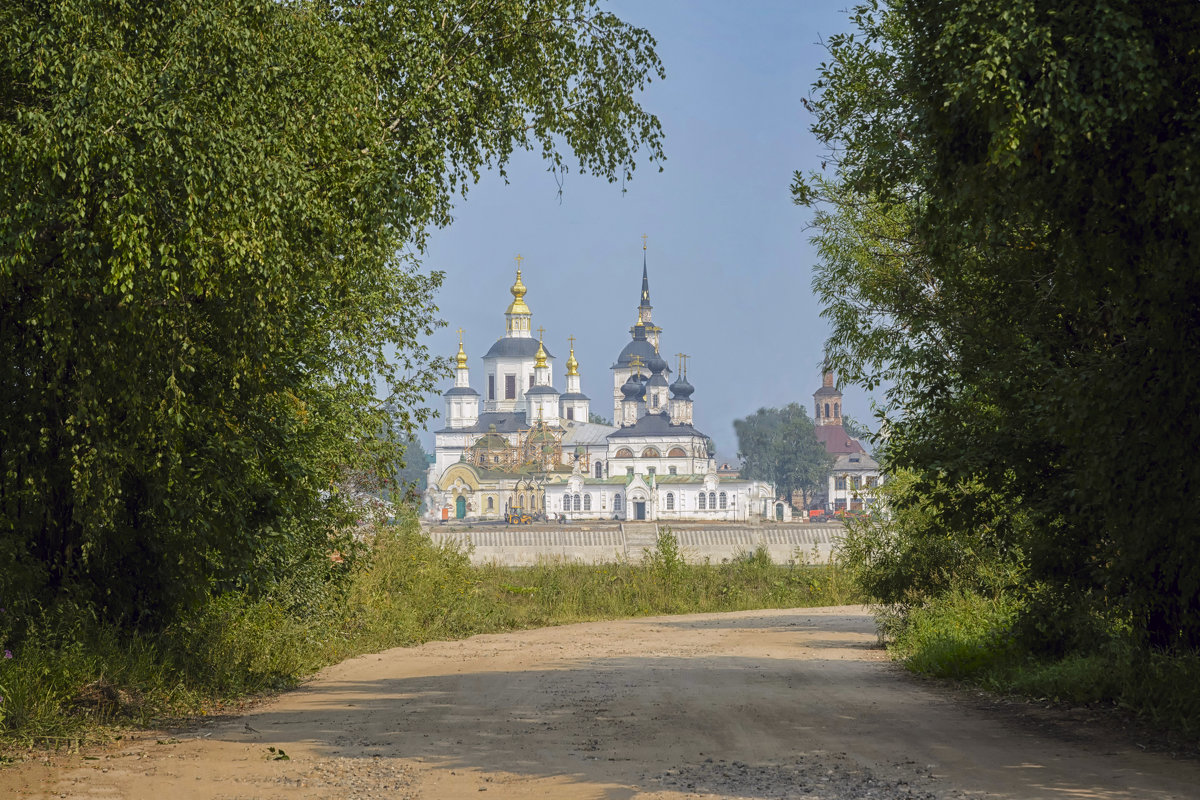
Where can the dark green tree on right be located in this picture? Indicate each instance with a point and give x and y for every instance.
(1008, 241)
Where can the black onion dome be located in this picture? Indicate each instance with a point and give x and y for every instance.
(656, 363)
(638, 347)
(632, 388)
(681, 389)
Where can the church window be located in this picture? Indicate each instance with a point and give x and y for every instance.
(654, 401)
(671, 470)
(616, 502)
(491, 504)
(701, 505)
(570, 412)
(650, 471)
(827, 409)
(530, 381)
(624, 452)
(651, 452)
(491, 387)
(723, 499)
(599, 469)
(587, 502)
(712, 499)
(577, 506)
(676, 452)
(629, 472)
(839, 482)
(670, 501)
(510, 387)
(836, 410)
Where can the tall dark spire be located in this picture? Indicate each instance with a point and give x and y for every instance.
(645, 303)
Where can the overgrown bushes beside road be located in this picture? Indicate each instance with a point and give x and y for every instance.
(954, 603)
(71, 671)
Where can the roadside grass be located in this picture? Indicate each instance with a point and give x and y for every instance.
(72, 679)
(967, 637)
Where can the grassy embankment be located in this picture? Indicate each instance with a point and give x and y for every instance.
(969, 637)
(71, 677)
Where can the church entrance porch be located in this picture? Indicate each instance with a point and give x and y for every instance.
(639, 511)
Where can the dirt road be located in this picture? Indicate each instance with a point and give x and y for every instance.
(764, 704)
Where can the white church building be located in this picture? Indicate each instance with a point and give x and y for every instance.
(532, 448)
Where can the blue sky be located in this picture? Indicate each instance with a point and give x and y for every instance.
(729, 258)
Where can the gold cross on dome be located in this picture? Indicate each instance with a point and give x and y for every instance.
(460, 333)
(643, 241)
(541, 333)
(683, 357)
(520, 258)
(571, 339)
(635, 363)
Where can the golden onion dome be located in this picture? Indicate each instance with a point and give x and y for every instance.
(572, 364)
(518, 292)
(461, 358)
(541, 357)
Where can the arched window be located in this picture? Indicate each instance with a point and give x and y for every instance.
(836, 409)
(670, 501)
(651, 452)
(624, 452)
(587, 502)
(702, 505)
(577, 505)
(677, 452)
(599, 469)
(724, 501)
(712, 499)
(616, 502)
(827, 409)
(491, 505)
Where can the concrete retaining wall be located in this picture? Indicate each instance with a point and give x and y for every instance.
(524, 546)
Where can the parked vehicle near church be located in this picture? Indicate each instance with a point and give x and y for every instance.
(518, 518)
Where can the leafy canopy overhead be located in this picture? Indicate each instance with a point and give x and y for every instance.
(1007, 242)
(209, 223)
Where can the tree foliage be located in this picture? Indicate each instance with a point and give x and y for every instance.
(1008, 244)
(210, 217)
(779, 445)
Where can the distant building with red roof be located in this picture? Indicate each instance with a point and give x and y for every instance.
(855, 474)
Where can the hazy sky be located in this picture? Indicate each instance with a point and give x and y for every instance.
(729, 259)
